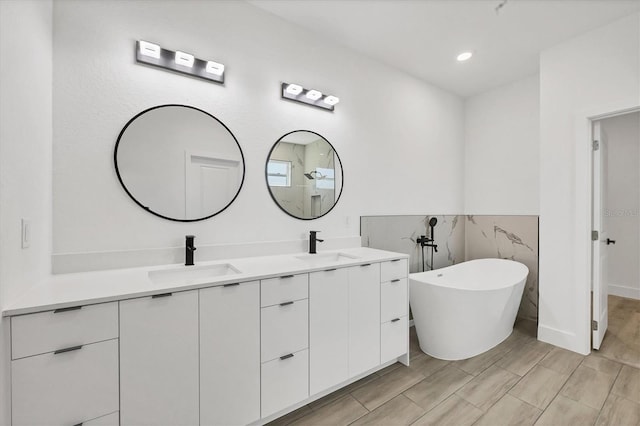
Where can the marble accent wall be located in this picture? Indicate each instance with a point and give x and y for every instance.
(507, 237)
(461, 238)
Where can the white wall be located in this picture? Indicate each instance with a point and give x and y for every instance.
(501, 150)
(25, 157)
(622, 203)
(400, 140)
(589, 72)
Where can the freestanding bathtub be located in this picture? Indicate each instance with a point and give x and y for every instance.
(466, 309)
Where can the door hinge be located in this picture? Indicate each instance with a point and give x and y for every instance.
(596, 145)
(595, 236)
(594, 325)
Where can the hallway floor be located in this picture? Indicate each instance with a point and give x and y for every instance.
(622, 340)
(520, 382)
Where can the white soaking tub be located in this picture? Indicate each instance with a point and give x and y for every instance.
(466, 309)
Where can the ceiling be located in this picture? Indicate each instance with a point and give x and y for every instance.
(423, 37)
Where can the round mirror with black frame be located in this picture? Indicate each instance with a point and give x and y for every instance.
(179, 162)
(304, 174)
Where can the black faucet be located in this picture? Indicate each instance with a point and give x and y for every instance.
(312, 241)
(424, 241)
(188, 250)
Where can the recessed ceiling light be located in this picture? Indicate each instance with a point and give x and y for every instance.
(464, 56)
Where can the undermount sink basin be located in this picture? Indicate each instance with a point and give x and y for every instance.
(326, 257)
(186, 274)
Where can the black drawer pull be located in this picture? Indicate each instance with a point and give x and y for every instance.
(230, 285)
(396, 260)
(395, 281)
(366, 264)
(283, 357)
(72, 308)
(286, 303)
(286, 276)
(72, 348)
(78, 424)
(156, 296)
(330, 270)
(395, 319)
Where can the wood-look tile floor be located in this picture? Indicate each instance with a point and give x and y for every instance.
(520, 382)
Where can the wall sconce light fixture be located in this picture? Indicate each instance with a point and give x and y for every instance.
(312, 97)
(182, 62)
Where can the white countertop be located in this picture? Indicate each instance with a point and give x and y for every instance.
(65, 290)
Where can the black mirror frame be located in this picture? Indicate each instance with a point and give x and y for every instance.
(266, 177)
(115, 162)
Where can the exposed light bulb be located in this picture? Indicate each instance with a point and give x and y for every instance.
(184, 59)
(314, 95)
(214, 68)
(293, 89)
(149, 49)
(464, 56)
(331, 100)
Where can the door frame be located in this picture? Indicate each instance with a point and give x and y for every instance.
(583, 212)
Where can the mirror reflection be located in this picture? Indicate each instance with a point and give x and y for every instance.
(304, 174)
(179, 162)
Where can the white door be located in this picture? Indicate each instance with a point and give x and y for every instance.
(159, 360)
(364, 318)
(599, 288)
(328, 329)
(230, 354)
(211, 182)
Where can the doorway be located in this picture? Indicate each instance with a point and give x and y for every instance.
(615, 254)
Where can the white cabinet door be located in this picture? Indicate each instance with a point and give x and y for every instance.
(65, 388)
(230, 354)
(159, 360)
(364, 318)
(328, 329)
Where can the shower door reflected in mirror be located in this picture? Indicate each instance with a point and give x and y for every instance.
(304, 174)
(179, 163)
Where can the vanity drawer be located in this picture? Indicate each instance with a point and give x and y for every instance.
(393, 299)
(35, 334)
(66, 388)
(284, 329)
(393, 339)
(284, 289)
(284, 382)
(393, 269)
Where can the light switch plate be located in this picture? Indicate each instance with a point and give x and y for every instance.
(26, 233)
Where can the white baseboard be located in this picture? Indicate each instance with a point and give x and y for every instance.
(624, 291)
(562, 339)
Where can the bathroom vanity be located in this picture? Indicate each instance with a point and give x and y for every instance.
(242, 341)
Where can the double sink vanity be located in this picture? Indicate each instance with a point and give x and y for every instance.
(241, 341)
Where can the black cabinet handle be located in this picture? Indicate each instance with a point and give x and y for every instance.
(72, 308)
(72, 348)
(396, 260)
(330, 270)
(282, 358)
(286, 276)
(230, 285)
(609, 241)
(157, 296)
(395, 319)
(396, 280)
(286, 303)
(365, 264)
(78, 424)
